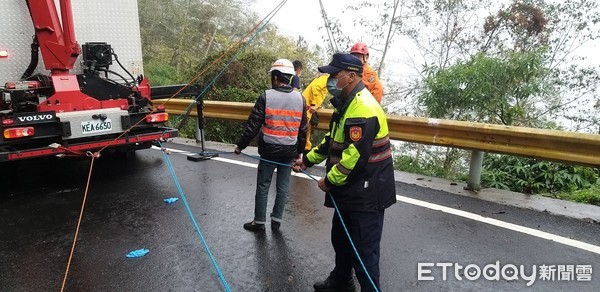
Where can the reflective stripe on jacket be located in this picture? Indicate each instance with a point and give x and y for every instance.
(279, 120)
(360, 169)
(283, 114)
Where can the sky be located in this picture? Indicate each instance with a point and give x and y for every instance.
(303, 18)
(299, 17)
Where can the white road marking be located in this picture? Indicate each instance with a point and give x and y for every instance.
(460, 213)
(237, 162)
(241, 163)
(506, 225)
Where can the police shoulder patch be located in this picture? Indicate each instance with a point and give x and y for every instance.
(355, 133)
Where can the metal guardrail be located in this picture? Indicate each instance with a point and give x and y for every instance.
(561, 146)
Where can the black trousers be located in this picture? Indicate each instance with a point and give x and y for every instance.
(365, 229)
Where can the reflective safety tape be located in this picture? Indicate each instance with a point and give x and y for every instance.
(381, 142)
(279, 123)
(377, 143)
(380, 156)
(280, 112)
(268, 131)
(343, 169)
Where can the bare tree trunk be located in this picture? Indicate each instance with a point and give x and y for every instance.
(185, 23)
(212, 38)
(389, 35)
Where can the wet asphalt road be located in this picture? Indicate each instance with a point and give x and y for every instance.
(41, 200)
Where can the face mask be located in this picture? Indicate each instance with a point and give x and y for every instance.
(331, 87)
(337, 80)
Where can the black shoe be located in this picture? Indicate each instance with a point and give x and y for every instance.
(331, 285)
(252, 226)
(275, 225)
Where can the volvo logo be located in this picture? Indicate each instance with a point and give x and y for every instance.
(35, 118)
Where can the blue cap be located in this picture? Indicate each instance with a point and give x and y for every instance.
(342, 62)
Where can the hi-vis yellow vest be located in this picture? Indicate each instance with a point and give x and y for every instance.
(359, 156)
(350, 130)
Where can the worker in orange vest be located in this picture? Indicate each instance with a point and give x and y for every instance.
(279, 120)
(370, 78)
(314, 94)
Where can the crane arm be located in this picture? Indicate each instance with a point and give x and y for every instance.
(57, 43)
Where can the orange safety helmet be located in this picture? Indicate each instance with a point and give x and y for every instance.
(360, 48)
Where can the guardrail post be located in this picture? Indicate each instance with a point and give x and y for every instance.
(474, 183)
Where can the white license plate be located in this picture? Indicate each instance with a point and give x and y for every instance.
(96, 126)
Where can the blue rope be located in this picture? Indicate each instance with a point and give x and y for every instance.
(189, 211)
(337, 210)
(351, 243)
(266, 160)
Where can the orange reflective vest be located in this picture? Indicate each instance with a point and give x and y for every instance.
(283, 114)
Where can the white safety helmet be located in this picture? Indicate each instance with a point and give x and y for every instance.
(284, 66)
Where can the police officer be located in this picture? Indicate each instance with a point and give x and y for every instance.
(279, 120)
(360, 174)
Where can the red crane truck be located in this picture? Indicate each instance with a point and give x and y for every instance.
(80, 101)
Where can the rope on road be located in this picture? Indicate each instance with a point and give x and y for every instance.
(191, 215)
(62, 288)
(97, 153)
(337, 210)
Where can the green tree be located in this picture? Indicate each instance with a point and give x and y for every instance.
(243, 81)
(517, 67)
(525, 74)
(180, 38)
(181, 33)
(561, 27)
(381, 29)
(487, 89)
